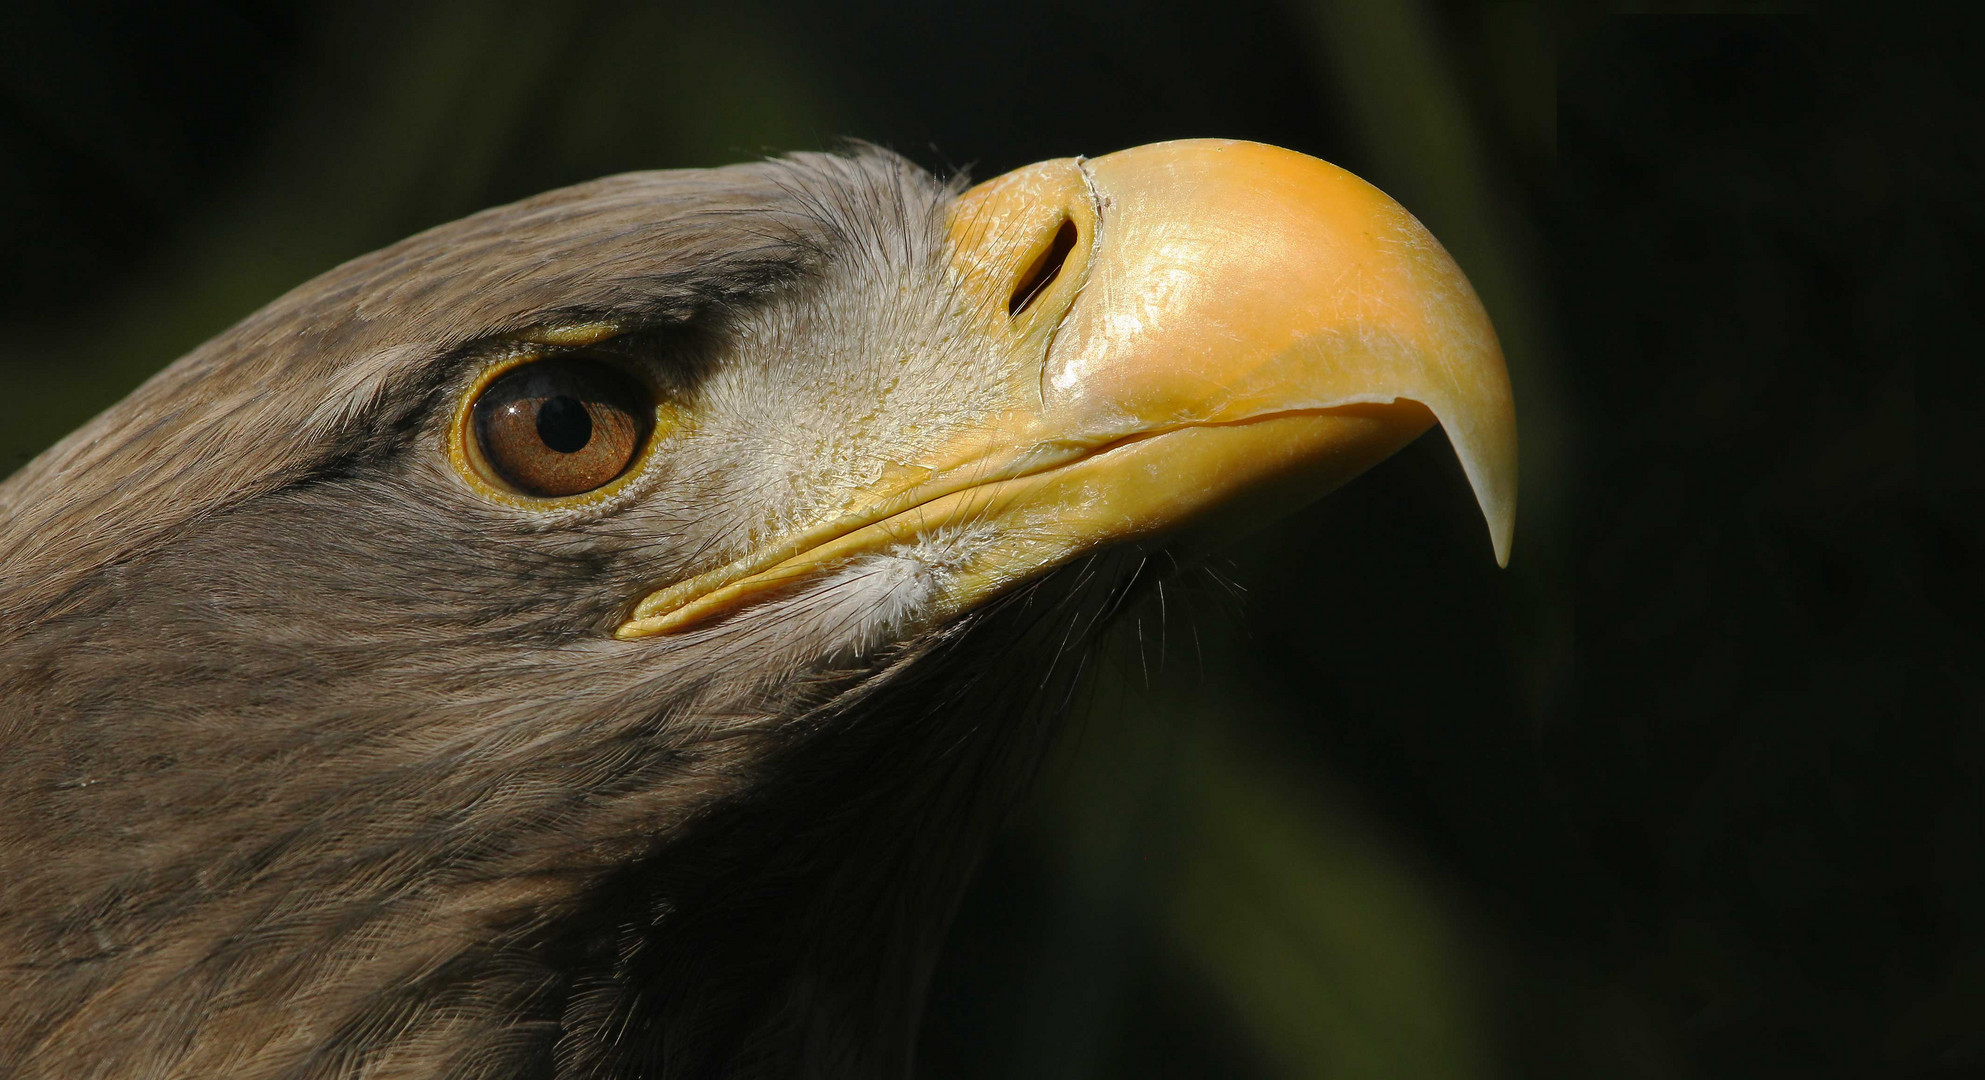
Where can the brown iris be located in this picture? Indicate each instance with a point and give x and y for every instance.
(562, 426)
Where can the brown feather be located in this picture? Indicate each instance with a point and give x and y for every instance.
(316, 765)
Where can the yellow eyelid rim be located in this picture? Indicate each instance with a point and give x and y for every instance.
(567, 335)
(467, 457)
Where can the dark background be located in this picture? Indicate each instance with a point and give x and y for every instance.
(1692, 789)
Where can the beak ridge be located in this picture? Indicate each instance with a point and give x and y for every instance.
(1232, 281)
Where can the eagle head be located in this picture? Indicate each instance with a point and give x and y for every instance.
(597, 637)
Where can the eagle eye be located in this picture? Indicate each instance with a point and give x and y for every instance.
(560, 426)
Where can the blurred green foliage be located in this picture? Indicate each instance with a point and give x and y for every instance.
(1692, 789)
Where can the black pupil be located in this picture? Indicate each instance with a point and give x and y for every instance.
(564, 424)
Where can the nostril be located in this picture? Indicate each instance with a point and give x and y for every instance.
(1042, 273)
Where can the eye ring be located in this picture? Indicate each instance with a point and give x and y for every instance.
(559, 430)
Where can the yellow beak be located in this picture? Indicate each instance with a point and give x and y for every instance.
(1195, 326)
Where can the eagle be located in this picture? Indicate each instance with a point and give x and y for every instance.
(599, 637)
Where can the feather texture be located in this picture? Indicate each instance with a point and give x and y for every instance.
(318, 765)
